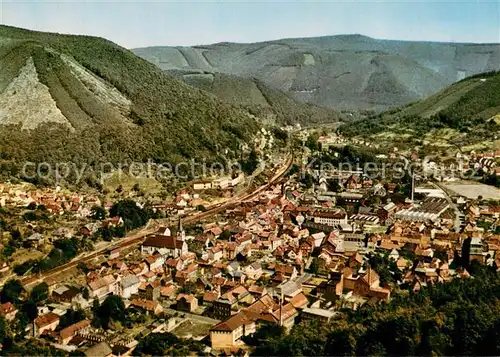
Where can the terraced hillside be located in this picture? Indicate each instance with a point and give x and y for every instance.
(85, 99)
(347, 71)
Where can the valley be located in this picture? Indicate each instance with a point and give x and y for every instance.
(334, 195)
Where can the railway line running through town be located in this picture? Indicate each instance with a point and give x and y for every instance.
(138, 237)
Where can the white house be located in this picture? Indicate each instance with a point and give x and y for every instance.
(202, 185)
(214, 253)
(155, 262)
(102, 287)
(330, 218)
(129, 286)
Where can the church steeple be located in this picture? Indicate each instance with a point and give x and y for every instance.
(181, 235)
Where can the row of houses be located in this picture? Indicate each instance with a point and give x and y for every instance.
(219, 183)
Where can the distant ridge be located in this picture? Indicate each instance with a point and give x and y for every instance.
(342, 71)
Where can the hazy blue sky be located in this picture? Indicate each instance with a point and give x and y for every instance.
(145, 23)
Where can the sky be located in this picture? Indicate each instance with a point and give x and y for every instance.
(181, 23)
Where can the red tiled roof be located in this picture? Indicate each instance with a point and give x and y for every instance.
(210, 296)
(370, 277)
(47, 319)
(336, 214)
(148, 305)
(167, 290)
(7, 307)
(72, 329)
(265, 303)
(287, 269)
(161, 241)
(235, 321)
(299, 300)
(189, 298)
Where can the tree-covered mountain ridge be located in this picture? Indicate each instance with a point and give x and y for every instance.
(470, 107)
(341, 71)
(86, 99)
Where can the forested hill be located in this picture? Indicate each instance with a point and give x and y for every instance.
(86, 99)
(255, 96)
(470, 106)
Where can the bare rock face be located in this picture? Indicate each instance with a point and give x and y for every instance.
(28, 102)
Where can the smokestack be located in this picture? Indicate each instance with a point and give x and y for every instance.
(281, 307)
(412, 185)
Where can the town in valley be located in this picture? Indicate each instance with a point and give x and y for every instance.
(249, 178)
(220, 261)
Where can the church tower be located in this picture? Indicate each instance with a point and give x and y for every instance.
(181, 234)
